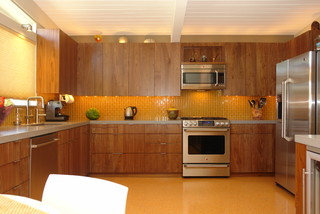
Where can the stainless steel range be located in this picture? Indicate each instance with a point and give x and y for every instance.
(206, 146)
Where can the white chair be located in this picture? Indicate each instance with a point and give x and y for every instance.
(71, 194)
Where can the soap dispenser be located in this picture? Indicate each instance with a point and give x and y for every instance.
(17, 121)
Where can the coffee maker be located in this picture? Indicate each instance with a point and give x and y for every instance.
(53, 111)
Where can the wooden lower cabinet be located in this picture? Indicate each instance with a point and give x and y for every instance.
(73, 151)
(15, 167)
(252, 148)
(135, 149)
(301, 153)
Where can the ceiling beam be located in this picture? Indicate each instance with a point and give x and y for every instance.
(178, 20)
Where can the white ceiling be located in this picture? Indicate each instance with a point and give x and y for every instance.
(181, 17)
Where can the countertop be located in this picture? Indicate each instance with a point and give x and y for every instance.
(13, 133)
(309, 140)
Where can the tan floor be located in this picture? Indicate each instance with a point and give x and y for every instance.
(176, 195)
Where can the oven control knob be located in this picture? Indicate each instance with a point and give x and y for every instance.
(217, 123)
(222, 124)
(185, 123)
(194, 123)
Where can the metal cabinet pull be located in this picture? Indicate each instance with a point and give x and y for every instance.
(304, 174)
(45, 144)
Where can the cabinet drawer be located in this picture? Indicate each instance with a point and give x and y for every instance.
(163, 138)
(13, 151)
(104, 130)
(163, 163)
(22, 190)
(131, 129)
(105, 143)
(162, 129)
(117, 163)
(106, 163)
(163, 148)
(252, 129)
(13, 174)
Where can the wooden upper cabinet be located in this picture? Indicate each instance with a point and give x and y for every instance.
(141, 69)
(251, 68)
(89, 78)
(302, 43)
(56, 62)
(115, 69)
(167, 69)
(236, 67)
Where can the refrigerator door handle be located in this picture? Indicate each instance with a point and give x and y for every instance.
(284, 110)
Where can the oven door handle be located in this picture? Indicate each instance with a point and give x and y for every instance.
(206, 165)
(206, 130)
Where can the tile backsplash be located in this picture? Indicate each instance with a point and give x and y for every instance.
(190, 103)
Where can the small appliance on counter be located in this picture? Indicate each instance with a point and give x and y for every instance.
(53, 111)
(130, 112)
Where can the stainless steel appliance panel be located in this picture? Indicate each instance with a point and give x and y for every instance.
(284, 149)
(44, 161)
(203, 77)
(300, 95)
(214, 138)
(317, 122)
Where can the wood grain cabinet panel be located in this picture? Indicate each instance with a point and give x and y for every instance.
(115, 69)
(141, 72)
(252, 148)
(302, 43)
(90, 70)
(236, 68)
(15, 167)
(73, 151)
(56, 62)
(136, 149)
(167, 69)
(301, 153)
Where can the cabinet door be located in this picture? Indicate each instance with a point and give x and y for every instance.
(141, 69)
(63, 152)
(89, 70)
(84, 150)
(250, 70)
(48, 60)
(236, 68)
(163, 163)
(14, 174)
(106, 143)
(167, 69)
(68, 64)
(107, 163)
(133, 163)
(115, 69)
(300, 165)
(74, 151)
(132, 143)
(252, 148)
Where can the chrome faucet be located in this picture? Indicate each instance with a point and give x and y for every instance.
(28, 116)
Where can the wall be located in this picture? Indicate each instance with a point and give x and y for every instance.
(211, 103)
(17, 65)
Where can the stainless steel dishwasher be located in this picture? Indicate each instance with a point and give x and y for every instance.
(44, 161)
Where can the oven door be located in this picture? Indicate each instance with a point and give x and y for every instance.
(206, 145)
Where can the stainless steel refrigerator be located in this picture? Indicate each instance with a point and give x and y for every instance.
(298, 106)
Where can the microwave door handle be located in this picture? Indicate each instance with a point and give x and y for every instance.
(217, 77)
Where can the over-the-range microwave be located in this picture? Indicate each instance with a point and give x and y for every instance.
(203, 76)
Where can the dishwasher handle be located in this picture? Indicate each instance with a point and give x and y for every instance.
(35, 146)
